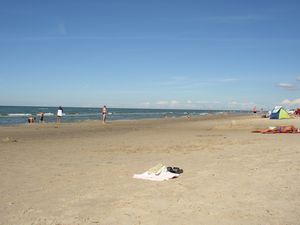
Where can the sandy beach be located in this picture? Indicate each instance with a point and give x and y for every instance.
(82, 173)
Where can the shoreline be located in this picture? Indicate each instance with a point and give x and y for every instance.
(193, 117)
(19, 115)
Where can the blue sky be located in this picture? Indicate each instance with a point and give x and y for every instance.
(213, 54)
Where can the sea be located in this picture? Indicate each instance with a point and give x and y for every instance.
(14, 115)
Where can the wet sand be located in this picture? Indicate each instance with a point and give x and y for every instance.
(81, 173)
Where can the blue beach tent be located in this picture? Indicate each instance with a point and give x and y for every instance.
(279, 113)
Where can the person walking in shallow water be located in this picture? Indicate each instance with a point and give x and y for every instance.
(104, 114)
(59, 114)
(42, 117)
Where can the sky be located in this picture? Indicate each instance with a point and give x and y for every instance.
(191, 54)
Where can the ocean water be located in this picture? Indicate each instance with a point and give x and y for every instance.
(12, 115)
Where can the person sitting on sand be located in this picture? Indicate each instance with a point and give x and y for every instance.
(31, 119)
(279, 129)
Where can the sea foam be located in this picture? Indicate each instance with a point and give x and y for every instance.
(19, 114)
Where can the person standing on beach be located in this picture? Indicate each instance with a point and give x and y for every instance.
(42, 115)
(104, 114)
(59, 114)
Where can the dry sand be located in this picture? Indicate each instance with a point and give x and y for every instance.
(81, 173)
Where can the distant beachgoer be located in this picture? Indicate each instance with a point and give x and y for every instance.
(59, 114)
(278, 129)
(254, 109)
(104, 114)
(42, 116)
(31, 119)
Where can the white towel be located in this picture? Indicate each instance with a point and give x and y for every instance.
(164, 175)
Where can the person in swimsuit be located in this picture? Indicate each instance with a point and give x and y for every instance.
(104, 114)
(279, 129)
(42, 117)
(31, 119)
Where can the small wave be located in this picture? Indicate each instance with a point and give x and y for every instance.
(46, 114)
(137, 113)
(19, 114)
(203, 114)
(73, 113)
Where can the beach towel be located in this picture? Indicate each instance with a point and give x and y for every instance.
(156, 173)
